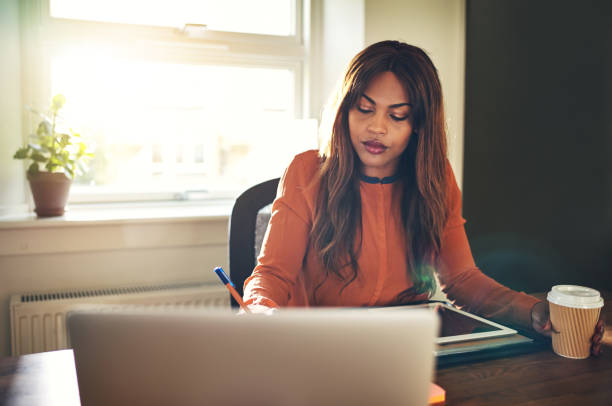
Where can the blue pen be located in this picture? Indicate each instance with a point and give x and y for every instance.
(231, 287)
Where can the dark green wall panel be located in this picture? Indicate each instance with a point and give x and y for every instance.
(538, 141)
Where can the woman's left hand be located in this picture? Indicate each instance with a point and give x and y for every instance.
(600, 328)
(540, 321)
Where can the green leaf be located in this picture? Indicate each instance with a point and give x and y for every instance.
(64, 139)
(33, 169)
(44, 128)
(22, 153)
(38, 157)
(46, 141)
(58, 102)
(50, 166)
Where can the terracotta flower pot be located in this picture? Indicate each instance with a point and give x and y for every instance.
(50, 192)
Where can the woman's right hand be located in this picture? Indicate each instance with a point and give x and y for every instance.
(259, 309)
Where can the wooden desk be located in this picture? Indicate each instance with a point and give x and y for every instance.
(535, 379)
(541, 378)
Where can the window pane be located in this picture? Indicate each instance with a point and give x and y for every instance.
(273, 17)
(170, 127)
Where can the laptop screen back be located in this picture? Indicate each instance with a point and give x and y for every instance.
(295, 357)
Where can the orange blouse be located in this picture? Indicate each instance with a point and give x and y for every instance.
(288, 270)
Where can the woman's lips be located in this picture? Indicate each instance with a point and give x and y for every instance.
(374, 147)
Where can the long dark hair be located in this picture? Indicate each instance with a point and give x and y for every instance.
(422, 168)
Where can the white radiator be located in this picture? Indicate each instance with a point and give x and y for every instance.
(38, 320)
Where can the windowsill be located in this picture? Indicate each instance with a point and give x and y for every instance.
(120, 213)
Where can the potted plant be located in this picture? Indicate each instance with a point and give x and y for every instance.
(57, 157)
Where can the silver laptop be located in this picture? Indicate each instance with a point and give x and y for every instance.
(295, 357)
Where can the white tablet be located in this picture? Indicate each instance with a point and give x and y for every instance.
(458, 325)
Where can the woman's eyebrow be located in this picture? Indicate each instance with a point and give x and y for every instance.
(393, 106)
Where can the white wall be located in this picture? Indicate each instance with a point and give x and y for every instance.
(12, 195)
(52, 255)
(437, 26)
(338, 33)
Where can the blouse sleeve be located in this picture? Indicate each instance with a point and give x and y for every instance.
(464, 283)
(276, 280)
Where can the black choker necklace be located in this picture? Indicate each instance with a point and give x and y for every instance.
(372, 179)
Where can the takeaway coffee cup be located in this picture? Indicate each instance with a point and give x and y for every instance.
(574, 311)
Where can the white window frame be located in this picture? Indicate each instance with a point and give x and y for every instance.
(43, 36)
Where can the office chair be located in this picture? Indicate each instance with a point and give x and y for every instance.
(248, 224)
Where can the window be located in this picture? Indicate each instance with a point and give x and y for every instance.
(179, 99)
(273, 17)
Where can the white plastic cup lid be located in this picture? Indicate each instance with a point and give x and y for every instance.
(575, 296)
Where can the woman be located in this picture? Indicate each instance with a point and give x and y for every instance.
(375, 216)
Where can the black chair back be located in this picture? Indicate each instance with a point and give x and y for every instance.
(247, 227)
